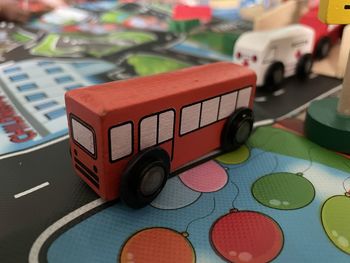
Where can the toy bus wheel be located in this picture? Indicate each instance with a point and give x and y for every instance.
(237, 129)
(304, 66)
(274, 76)
(323, 47)
(145, 177)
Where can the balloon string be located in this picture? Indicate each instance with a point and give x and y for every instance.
(245, 163)
(310, 159)
(203, 217)
(275, 134)
(237, 188)
(234, 200)
(346, 190)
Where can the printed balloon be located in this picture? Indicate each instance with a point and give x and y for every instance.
(285, 191)
(235, 157)
(246, 236)
(207, 177)
(175, 195)
(157, 245)
(335, 216)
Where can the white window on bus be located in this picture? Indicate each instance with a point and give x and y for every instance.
(83, 135)
(166, 126)
(227, 105)
(190, 118)
(244, 97)
(148, 132)
(156, 129)
(120, 140)
(209, 112)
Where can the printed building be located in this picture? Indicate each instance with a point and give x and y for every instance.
(35, 89)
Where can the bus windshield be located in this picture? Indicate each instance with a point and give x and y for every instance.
(83, 136)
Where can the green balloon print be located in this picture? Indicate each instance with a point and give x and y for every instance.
(284, 191)
(236, 157)
(335, 215)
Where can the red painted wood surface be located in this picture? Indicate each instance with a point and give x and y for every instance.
(184, 12)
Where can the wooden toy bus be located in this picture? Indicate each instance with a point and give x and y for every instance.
(276, 54)
(127, 137)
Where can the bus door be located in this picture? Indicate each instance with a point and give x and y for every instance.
(158, 130)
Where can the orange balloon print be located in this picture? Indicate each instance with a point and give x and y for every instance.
(157, 245)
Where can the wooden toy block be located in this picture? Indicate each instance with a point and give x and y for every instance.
(280, 53)
(127, 137)
(334, 11)
(185, 12)
(283, 15)
(343, 52)
(183, 26)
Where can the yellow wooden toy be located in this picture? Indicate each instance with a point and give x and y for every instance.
(334, 11)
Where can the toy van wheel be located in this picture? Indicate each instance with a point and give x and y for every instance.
(237, 129)
(274, 76)
(323, 47)
(145, 177)
(304, 66)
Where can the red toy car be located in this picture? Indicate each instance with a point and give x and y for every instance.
(325, 35)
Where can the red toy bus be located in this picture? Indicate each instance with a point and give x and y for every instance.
(127, 137)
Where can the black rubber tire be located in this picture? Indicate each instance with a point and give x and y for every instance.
(237, 129)
(323, 47)
(274, 76)
(304, 66)
(132, 187)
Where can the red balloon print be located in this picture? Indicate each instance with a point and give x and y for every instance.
(158, 245)
(246, 236)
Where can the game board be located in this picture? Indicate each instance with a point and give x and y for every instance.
(283, 192)
(120, 41)
(126, 40)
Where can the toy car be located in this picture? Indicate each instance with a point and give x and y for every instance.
(325, 35)
(127, 137)
(276, 54)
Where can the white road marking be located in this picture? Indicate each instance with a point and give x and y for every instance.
(263, 123)
(31, 190)
(279, 92)
(40, 241)
(260, 99)
(35, 148)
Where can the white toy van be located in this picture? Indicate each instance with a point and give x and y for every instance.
(276, 54)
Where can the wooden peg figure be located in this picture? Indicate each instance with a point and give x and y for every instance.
(328, 121)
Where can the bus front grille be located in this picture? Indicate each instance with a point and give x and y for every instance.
(87, 173)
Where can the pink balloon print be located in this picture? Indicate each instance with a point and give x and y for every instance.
(206, 178)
